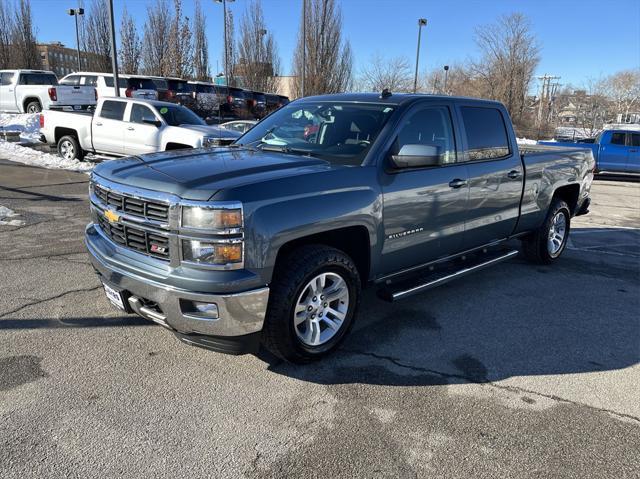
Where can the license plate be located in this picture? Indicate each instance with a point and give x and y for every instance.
(114, 296)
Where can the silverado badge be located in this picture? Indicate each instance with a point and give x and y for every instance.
(111, 216)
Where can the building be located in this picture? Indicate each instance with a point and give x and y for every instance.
(62, 60)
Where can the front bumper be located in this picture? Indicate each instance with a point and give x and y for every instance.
(240, 315)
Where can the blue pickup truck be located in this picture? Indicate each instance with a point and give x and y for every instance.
(616, 151)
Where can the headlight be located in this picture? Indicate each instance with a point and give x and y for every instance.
(199, 251)
(211, 218)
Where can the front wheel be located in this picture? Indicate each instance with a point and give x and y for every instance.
(69, 148)
(549, 241)
(314, 298)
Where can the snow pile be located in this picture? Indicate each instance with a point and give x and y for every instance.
(526, 141)
(28, 124)
(7, 213)
(28, 156)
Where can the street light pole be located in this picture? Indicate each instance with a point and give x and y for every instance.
(114, 53)
(304, 46)
(74, 12)
(226, 41)
(421, 23)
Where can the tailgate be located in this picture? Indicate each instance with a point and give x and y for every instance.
(145, 94)
(69, 95)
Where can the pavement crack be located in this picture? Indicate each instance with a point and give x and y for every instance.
(514, 389)
(44, 300)
(45, 256)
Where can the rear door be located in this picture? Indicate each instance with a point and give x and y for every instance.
(140, 137)
(495, 172)
(613, 151)
(109, 127)
(424, 208)
(633, 158)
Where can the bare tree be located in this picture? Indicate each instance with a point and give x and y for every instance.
(392, 73)
(98, 38)
(329, 61)
(624, 90)
(6, 20)
(258, 62)
(23, 38)
(155, 42)
(179, 58)
(510, 55)
(200, 45)
(130, 47)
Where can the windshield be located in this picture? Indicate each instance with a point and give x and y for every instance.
(340, 133)
(176, 115)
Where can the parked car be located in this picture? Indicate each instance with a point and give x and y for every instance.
(207, 100)
(272, 102)
(284, 100)
(616, 151)
(31, 91)
(175, 90)
(241, 126)
(234, 104)
(130, 86)
(272, 239)
(129, 126)
(257, 104)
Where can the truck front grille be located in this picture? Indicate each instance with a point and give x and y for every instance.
(143, 208)
(134, 238)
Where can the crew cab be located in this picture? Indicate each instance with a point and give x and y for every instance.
(131, 86)
(615, 151)
(31, 91)
(128, 126)
(271, 240)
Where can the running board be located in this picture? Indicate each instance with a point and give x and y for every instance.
(434, 278)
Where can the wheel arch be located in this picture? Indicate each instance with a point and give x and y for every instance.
(61, 131)
(569, 194)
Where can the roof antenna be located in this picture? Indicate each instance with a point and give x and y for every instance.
(385, 93)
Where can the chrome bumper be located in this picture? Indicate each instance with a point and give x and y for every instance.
(238, 314)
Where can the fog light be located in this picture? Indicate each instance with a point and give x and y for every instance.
(206, 310)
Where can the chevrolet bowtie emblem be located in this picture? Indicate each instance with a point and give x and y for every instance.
(111, 216)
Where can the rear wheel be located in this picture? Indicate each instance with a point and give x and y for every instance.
(549, 241)
(69, 148)
(34, 107)
(313, 301)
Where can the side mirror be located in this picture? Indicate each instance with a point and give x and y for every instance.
(417, 156)
(151, 120)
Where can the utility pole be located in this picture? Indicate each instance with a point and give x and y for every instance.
(304, 46)
(75, 12)
(114, 53)
(546, 93)
(227, 70)
(421, 23)
(446, 76)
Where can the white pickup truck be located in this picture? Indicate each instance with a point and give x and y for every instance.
(31, 91)
(129, 126)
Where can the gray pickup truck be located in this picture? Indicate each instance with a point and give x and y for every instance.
(270, 241)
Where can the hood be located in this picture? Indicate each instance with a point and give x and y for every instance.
(199, 174)
(214, 131)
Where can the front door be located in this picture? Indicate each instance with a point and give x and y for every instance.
(424, 208)
(496, 176)
(109, 127)
(633, 158)
(613, 153)
(141, 137)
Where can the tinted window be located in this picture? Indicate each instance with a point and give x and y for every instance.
(138, 112)
(432, 127)
(635, 139)
(141, 84)
(204, 88)
(486, 133)
(91, 80)
(113, 110)
(617, 138)
(177, 85)
(6, 78)
(38, 79)
(160, 83)
(237, 93)
(122, 82)
(70, 80)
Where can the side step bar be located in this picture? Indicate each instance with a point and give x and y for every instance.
(436, 278)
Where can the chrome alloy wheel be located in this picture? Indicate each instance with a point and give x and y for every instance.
(557, 233)
(321, 309)
(67, 150)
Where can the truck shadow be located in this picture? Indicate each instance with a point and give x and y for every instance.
(518, 319)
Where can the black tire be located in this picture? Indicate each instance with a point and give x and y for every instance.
(67, 144)
(33, 106)
(290, 280)
(536, 246)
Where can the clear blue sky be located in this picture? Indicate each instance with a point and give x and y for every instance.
(580, 39)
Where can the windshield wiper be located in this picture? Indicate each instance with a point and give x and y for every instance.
(286, 149)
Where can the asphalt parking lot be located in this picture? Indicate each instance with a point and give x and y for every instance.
(518, 371)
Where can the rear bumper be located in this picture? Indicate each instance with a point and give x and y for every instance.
(235, 330)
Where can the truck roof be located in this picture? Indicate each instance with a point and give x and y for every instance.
(392, 98)
(156, 103)
(26, 70)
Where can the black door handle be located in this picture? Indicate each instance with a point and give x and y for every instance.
(513, 174)
(457, 183)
